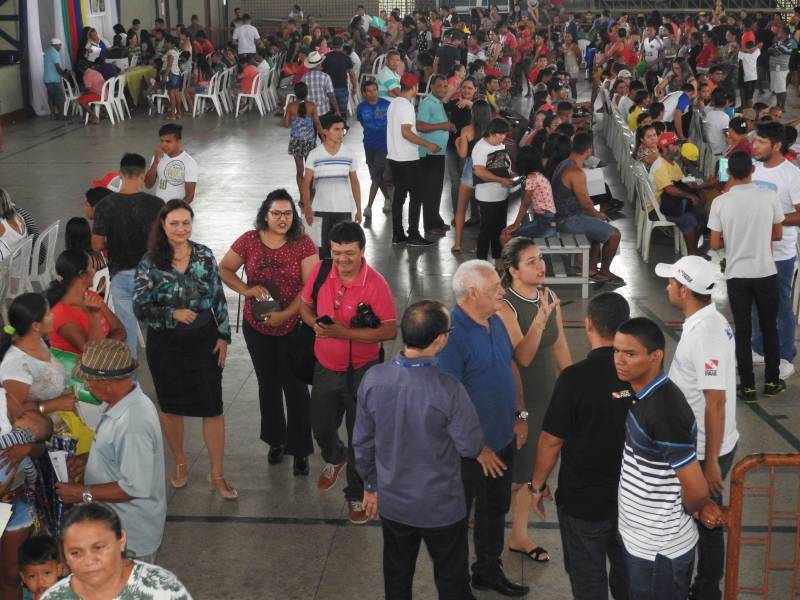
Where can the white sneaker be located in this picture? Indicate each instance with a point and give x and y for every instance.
(757, 358)
(786, 369)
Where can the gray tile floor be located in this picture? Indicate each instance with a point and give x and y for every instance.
(283, 539)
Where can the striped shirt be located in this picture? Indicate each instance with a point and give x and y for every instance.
(660, 439)
(332, 190)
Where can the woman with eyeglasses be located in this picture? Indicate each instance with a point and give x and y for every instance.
(278, 258)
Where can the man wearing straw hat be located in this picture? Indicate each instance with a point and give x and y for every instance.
(320, 86)
(125, 467)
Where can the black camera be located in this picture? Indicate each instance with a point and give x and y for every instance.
(365, 318)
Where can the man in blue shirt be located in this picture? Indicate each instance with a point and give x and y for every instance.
(414, 424)
(52, 77)
(371, 113)
(479, 353)
(434, 126)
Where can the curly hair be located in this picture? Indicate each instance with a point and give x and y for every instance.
(295, 231)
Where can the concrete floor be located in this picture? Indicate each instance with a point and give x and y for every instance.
(283, 539)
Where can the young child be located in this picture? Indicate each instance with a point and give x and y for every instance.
(40, 566)
(172, 77)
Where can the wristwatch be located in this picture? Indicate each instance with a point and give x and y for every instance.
(87, 495)
(534, 490)
(522, 415)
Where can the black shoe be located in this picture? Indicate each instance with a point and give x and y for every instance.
(300, 465)
(418, 240)
(399, 239)
(438, 230)
(773, 389)
(275, 455)
(748, 395)
(502, 586)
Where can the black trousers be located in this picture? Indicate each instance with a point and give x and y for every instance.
(333, 398)
(493, 220)
(711, 547)
(431, 178)
(587, 545)
(742, 293)
(405, 177)
(492, 498)
(449, 551)
(276, 382)
(329, 219)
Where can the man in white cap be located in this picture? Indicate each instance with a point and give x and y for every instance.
(320, 85)
(704, 368)
(52, 77)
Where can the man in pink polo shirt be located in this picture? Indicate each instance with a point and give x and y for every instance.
(354, 313)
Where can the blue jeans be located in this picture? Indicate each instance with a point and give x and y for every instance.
(661, 579)
(342, 98)
(122, 295)
(597, 230)
(586, 546)
(786, 322)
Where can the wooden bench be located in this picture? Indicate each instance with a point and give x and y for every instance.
(560, 248)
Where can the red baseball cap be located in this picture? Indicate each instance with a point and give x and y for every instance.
(409, 80)
(667, 139)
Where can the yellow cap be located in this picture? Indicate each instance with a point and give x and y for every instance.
(690, 152)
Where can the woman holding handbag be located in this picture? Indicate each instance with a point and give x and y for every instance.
(278, 258)
(178, 293)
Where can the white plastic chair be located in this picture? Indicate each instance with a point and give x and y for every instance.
(120, 101)
(646, 197)
(101, 283)
(290, 97)
(134, 61)
(18, 272)
(106, 101)
(44, 274)
(254, 95)
(70, 97)
(266, 84)
(212, 94)
(5, 281)
(155, 101)
(186, 79)
(227, 91)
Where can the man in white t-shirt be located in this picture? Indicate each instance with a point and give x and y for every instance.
(716, 122)
(172, 171)
(653, 48)
(704, 369)
(402, 154)
(247, 38)
(775, 173)
(332, 168)
(746, 220)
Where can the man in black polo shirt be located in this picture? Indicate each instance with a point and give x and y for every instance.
(586, 423)
(448, 53)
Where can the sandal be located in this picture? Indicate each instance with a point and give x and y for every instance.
(535, 555)
(614, 279)
(180, 476)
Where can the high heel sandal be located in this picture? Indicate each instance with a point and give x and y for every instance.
(226, 491)
(175, 479)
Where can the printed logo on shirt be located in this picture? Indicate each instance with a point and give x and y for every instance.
(621, 394)
(174, 172)
(729, 333)
(711, 367)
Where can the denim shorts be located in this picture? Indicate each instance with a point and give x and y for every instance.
(21, 514)
(543, 227)
(466, 174)
(594, 229)
(174, 82)
(376, 163)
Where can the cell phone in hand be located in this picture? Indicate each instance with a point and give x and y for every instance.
(324, 320)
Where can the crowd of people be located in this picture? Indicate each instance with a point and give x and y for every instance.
(485, 397)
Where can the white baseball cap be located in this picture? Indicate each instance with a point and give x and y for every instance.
(55, 42)
(624, 74)
(696, 273)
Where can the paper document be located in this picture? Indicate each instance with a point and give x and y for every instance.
(5, 516)
(90, 413)
(595, 182)
(58, 458)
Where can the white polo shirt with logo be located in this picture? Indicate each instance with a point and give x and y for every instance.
(705, 359)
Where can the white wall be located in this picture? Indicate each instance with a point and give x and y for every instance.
(10, 89)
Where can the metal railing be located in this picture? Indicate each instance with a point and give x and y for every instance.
(736, 537)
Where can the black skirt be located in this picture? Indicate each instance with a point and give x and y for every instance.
(187, 377)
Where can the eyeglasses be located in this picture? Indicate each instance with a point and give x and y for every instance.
(277, 214)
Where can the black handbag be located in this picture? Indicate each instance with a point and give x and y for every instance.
(260, 308)
(301, 339)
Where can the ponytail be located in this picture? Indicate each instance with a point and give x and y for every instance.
(24, 311)
(301, 93)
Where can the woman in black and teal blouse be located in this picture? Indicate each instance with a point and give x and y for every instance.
(179, 294)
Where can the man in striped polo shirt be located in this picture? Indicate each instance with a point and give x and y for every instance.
(661, 483)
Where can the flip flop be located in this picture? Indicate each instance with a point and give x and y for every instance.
(614, 279)
(535, 555)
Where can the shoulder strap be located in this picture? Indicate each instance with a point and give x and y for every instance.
(324, 271)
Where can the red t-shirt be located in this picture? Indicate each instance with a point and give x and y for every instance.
(280, 267)
(250, 73)
(368, 287)
(202, 47)
(705, 56)
(65, 314)
(748, 36)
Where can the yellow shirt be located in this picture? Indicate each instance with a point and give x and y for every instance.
(666, 174)
(633, 116)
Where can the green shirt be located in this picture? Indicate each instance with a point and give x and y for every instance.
(146, 582)
(387, 80)
(431, 110)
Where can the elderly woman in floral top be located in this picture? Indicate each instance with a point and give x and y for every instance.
(179, 294)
